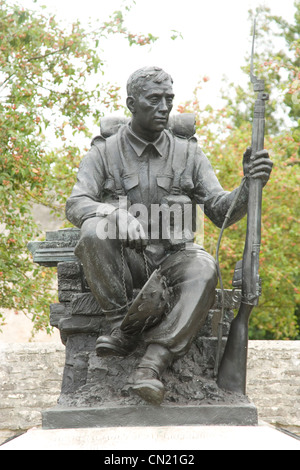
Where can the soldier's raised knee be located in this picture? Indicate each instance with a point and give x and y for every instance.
(93, 234)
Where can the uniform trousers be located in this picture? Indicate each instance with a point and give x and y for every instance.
(190, 273)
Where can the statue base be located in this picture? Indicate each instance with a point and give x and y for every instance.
(237, 414)
(104, 399)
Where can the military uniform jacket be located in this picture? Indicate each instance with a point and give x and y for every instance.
(124, 164)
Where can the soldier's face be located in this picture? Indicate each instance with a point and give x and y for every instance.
(153, 105)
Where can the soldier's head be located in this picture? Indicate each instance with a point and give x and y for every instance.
(150, 100)
(137, 79)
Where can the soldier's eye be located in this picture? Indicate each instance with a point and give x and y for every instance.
(154, 100)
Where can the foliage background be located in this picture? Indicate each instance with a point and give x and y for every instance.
(45, 76)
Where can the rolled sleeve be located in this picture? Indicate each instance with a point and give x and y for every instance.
(210, 194)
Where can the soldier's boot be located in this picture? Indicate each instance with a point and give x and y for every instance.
(145, 381)
(118, 343)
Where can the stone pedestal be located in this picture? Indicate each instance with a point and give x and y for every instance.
(154, 445)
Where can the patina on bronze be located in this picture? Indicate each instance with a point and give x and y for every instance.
(146, 162)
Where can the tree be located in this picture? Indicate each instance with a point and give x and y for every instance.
(44, 73)
(225, 134)
(44, 70)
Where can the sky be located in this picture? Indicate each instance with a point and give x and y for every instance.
(215, 38)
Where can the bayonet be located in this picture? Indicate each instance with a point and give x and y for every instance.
(258, 84)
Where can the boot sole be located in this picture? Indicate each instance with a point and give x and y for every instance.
(107, 350)
(150, 393)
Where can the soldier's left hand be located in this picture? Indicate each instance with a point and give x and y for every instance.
(258, 165)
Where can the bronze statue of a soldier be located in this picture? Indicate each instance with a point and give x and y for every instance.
(145, 163)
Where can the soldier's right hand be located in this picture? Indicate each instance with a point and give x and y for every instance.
(130, 231)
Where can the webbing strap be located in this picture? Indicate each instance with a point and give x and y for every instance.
(113, 153)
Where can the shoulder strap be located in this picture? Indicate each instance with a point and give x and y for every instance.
(180, 151)
(188, 171)
(113, 154)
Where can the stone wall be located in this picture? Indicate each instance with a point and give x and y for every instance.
(31, 375)
(30, 380)
(273, 382)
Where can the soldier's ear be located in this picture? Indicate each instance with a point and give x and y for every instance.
(131, 104)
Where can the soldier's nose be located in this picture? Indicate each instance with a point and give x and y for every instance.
(163, 106)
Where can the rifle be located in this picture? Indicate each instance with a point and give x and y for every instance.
(232, 370)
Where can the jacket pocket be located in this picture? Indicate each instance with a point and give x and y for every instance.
(130, 182)
(164, 182)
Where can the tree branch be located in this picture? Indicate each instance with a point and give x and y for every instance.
(7, 79)
(38, 57)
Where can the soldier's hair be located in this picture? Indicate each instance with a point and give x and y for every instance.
(138, 78)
